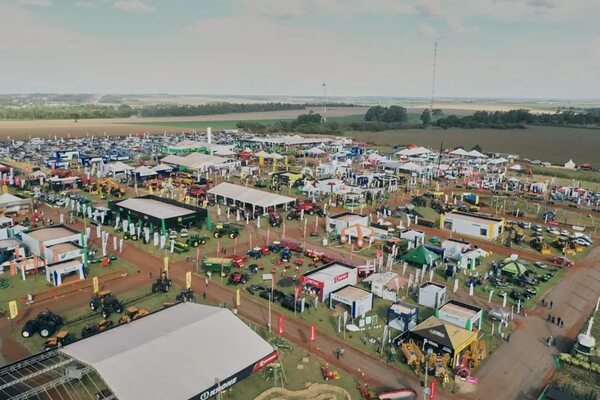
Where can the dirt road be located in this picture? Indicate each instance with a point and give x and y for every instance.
(520, 368)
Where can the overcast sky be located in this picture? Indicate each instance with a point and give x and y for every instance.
(487, 48)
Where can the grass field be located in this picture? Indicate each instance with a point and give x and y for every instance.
(553, 144)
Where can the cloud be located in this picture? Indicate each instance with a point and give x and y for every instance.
(430, 8)
(427, 30)
(134, 6)
(85, 4)
(456, 26)
(287, 9)
(37, 3)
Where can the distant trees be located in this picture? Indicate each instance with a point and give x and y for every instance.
(386, 114)
(426, 117)
(518, 119)
(85, 111)
(477, 148)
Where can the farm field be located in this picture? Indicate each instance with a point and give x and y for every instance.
(231, 124)
(123, 126)
(553, 144)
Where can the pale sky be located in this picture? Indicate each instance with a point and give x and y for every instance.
(487, 48)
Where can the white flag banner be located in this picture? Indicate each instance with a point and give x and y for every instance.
(172, 246)
(430, 275)
(115, 243)
(98, 231)
(132, 228)
(490, 296)
(156, 240)
(62, 218)
(121, 245)
(471, 289)
(504, 300)
(125, 226)
(163, 241)
(104, 249)
(455, 285)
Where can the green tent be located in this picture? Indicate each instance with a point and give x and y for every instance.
(420, 256)
(514, 268)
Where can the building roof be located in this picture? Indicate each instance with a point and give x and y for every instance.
(463, 310)
(64, 247)
(64, 265)
(348, 217)
(176, 353)
(194, 160)
(432, 286)
(329, 271)
(472, 216)
(352, 293)
(446, 334)
(154, 208)
(421, 256)
(51, 233)
(249, 195)
(8, 199)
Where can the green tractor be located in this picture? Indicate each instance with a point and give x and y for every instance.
(197, 240)
(226, 229)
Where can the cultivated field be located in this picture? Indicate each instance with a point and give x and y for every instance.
(123, 126)
(553, 144)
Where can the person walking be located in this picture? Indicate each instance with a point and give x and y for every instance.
(558, 321)
(338, 352)
(551, 304)
(342, 352)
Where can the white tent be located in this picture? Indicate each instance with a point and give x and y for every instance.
(476, 154)
(413, 151)
(315, 151)
(516, 167)
(143, 171)
(250, 196)
(460, 152)
(570, 164)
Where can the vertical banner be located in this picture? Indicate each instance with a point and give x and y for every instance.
(95, 284)
(166, 265)
(312, 334)
(280, 325)
(432, 391)
(237, 297)
(188, 280)
(13, 309)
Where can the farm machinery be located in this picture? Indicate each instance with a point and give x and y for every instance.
(275, 219)
(186, 295)
(106, 302)
(133, 313)
(197, 240)
(413, 355)
(309, 207)
(62, 338)
(217, 265)
(100, 326)
(162, 284)
(538, 244)
(226, 229)
(46, 323)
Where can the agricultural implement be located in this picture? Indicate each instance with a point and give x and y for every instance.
(62, 338)
(92, 329)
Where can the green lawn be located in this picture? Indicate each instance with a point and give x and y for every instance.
(295, 378)
(151, 303)
(34, 283)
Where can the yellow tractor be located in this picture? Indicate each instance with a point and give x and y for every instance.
(62, 338)
(132, 313)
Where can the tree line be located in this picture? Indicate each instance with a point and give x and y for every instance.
(519, 119)
(87, 111)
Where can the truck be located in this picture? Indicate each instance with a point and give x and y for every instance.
(217, 264)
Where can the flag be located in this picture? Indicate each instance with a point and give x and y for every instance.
(432, 391)
(13, 309)
(280, 325)
(237, 297)
(297, 292)
(312, 334)
(188, 280)
(95, 284)
(166, 264)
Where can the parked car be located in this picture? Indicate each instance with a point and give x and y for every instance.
(498, 314)
(540, 264)
(562, 261)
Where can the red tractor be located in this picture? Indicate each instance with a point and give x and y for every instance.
(238, 261)
(309, 207)
(275, 219)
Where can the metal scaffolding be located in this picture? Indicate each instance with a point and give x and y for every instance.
(52, 375)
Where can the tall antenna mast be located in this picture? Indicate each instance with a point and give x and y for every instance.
(435, 46)
(324, 109)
